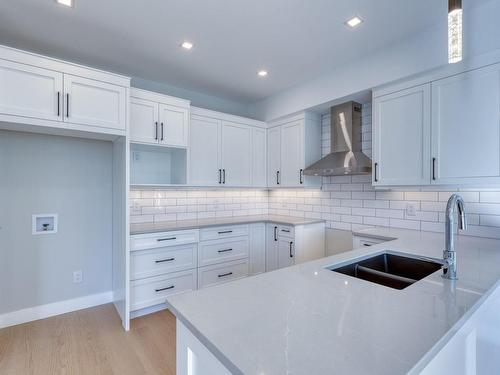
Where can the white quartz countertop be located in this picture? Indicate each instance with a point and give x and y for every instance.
(309, 320)
(143, 228)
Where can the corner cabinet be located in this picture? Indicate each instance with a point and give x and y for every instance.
(401, 136)
(45, 92)
(226, 150)
(293, 144)
(445, 131)
(158, 119)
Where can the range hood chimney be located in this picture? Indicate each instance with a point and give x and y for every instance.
(345, 157)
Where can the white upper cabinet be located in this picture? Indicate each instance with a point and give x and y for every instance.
(259, 160)
(466, 127)
(292, 154)
(29, 91)
(445, 130)
(273, 156)
(226, 150)
(236, 154)
(401, 135)
(143, 120)
(174, 125)
(94, 103)
(158, 119)
(204, 150)
(293, 144)
(49, 93)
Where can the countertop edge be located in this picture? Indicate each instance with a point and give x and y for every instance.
(242, 221)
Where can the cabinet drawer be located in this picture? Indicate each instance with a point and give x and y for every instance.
(217, 251)
(358, 242)
(215, 233)
(164, 239)
(286, 231)
(221, 273)
(147, 263)
(152, 291)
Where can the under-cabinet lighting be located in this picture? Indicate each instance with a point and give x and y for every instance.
(187, 45)
(262, 73)
(455, 31)
(68, 3)
(354, 21)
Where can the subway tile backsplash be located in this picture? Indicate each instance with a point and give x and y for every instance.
(344, 202)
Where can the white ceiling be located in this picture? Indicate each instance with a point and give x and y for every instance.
(295, 40)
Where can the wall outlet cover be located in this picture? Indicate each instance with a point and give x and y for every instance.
(77, 276)
(411, 210)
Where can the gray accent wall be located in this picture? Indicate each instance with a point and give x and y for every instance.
(72, 177)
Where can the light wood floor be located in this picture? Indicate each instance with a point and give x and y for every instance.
(90, 341)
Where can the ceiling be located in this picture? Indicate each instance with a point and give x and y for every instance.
(295, 40)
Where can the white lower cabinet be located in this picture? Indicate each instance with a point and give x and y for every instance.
(162, 264)
(257, 254)
(152, 291)
(218, 251)
(287, 245)
(221, 273)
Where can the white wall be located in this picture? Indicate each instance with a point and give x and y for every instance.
(197, 99)
(425, 51)
(49, 174)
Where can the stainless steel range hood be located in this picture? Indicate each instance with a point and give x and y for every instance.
(345, 157)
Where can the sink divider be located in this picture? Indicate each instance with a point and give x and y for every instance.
(383, 274)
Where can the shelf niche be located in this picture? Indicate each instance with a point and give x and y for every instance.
(157, 165)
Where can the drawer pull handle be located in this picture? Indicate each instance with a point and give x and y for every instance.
(366, 244)
(225, 274)
(225, 232)
(166, 239)
(164, 260)
(166, 288)
(285, 230)
(225, 250)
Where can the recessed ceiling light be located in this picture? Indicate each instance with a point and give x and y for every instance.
(187, 45)
(68, 3)
(354, 21)
(262, 73)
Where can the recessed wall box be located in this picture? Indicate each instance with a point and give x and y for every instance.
(44, 224)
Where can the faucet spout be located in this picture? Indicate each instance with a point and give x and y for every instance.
(449, 254)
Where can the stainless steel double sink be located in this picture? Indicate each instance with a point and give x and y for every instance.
(389, 268)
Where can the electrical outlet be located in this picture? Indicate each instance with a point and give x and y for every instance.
(411, 210)
(77, 277)
(136, 155)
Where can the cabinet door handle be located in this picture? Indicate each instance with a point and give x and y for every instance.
(225, 274)
(434, 169)
(291, 252)
(166, 288)
(67, 105)
(166, 239)
(223, 176)
(156, 130)
(225, 250)
(58, 103)
(375, 178)
(161, 132)
(225, 232)
(301, 174)
(220, 176)
(277, 177)
(275, 233)
(164, 260)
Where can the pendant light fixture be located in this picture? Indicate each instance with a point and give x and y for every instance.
(454, 31)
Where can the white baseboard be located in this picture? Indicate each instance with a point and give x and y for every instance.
(52, 309)
(148, 310)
